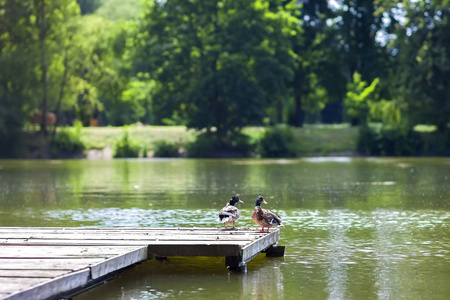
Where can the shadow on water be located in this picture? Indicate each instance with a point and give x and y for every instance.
(193, 278)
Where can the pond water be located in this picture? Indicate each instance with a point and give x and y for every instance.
(355, 228)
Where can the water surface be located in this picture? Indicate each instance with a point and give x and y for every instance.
(355, 228)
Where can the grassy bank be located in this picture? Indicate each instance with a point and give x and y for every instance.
(100, 137)
(174, 141)
(313, 140)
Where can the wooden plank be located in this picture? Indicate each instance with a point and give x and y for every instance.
(143, 230)
(54, 287)
(125, 229)
(33, 273)
(50, 242)
(128, 236)
(253, 249)
(36, 251)
(48, 264)
(150, 234)
(12, 285)
(118, 262)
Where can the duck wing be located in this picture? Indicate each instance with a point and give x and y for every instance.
(228, 213)
(271, 217)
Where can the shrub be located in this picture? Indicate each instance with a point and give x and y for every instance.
(67, 140)
(278, 141)
(436, 143)
(210, 145)
(164, 148)
(204, 146)
(126, 147)
(367, 142)
(388, 141)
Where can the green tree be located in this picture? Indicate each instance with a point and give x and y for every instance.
(357, 29)
(17, 61)
(423, 71)
(359, 99)
(216, 64)
(32, 37)
(316, 77)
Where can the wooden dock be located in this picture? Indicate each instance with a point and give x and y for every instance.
(49, 262)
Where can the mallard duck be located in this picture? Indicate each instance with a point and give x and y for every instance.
(264, 217)
(229, 213)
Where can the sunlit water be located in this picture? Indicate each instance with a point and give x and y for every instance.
(355, 228)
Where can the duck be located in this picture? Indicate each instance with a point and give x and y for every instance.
(264, 217)
(230, 213)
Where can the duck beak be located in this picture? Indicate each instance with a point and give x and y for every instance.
(240, 201)
(264, 202)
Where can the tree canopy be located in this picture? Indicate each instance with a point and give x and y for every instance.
(220, 65)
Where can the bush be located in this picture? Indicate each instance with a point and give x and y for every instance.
(67, 140)
(126, 147)
(388, 142)
(165, 148)
(368, 143)
(210, 145)
(11, 135)
(204, 146)
(278, 141)
(436, 143)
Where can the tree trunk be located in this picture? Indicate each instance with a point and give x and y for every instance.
(61, 96)
(299, 114)
(280, 112)
(43, 36)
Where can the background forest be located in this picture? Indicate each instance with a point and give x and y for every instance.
(220, 66)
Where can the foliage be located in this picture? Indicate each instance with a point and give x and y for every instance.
(359, 99)
(126, 147)
(357, 28)
(26, 43)
(136, 100)
(210, 145)
(278, 141)
(436, 143)
(11, 136)
(164, 148)
(390, 113)
(119, 10)
(316, 79)
(218, 66)
(388, 142)
(424, 63)
(67, 140)
(214, 62)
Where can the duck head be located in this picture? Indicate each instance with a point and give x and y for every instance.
(260, 200)
(235, 200)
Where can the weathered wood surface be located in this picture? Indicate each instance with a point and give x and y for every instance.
(40, 263)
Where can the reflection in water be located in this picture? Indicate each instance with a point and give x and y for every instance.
(337, 256)
(385, 240)
(264, 282)
(193, 278)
